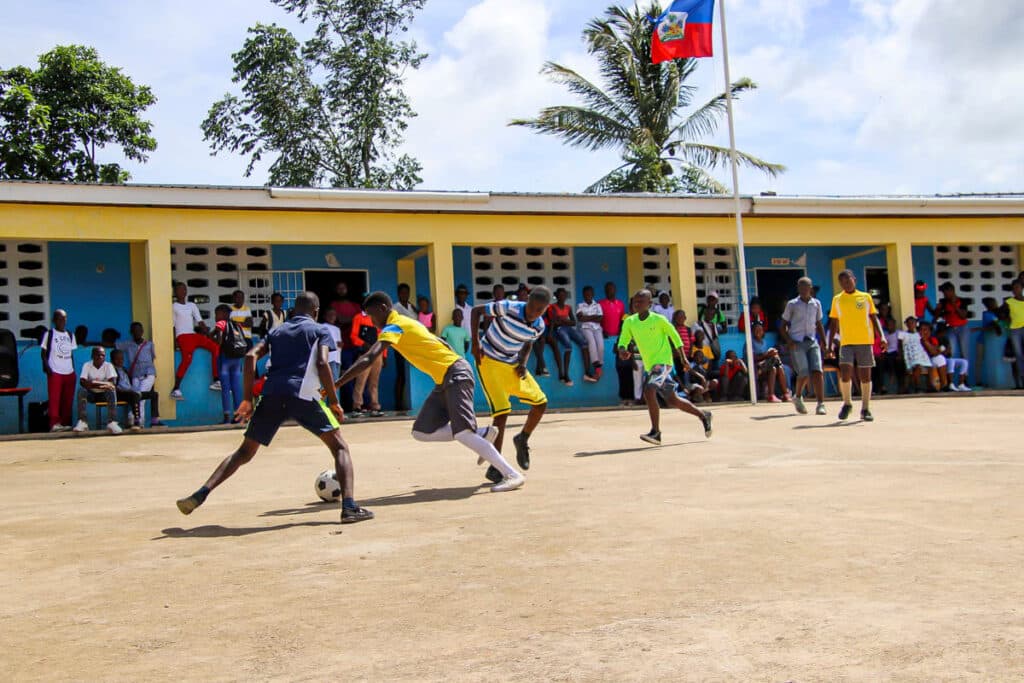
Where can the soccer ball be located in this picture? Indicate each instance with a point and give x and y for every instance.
(327, 486)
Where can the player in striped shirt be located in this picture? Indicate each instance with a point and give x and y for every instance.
(501, 353)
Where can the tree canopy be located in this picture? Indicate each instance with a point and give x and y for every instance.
(328, 110)
(54, 120)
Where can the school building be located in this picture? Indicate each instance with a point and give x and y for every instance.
(109, 255)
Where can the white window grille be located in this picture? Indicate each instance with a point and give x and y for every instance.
(510, 266)
(715, 272)
(977, 271)
(260, 285)
(212, 271)
(24, 286)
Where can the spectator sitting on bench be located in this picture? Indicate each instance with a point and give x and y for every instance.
(769, 365)
(97, 384)
(123, 390)
(732, 377)
(140, 355)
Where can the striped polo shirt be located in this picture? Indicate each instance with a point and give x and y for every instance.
(509, 332)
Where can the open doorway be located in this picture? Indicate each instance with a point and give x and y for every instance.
(324, 283)
(775, 287)
(876, 283)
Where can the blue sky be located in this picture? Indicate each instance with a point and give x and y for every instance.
(855, 97)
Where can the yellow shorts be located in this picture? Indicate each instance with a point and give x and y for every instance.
(500, 383)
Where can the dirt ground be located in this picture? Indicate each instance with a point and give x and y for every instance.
(785, 548)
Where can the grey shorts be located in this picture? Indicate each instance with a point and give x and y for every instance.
(861, 355)
(663, 379)
(806, 357)
(450, 401)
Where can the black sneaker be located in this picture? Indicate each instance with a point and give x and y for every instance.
(493, 475)
(707, 423)
(845, 411)
(652, 437)
(867, 416)
(522, 450)
(353, 515)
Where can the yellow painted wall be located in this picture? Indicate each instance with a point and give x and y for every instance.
(152, 230)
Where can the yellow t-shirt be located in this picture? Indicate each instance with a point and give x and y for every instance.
(1016, 313)
(423, 350)
(853, 311)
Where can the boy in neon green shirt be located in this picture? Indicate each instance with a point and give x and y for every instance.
(658, 342)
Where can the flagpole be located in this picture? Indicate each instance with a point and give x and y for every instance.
(740, 248)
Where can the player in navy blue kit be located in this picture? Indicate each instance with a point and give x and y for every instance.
(299, 367)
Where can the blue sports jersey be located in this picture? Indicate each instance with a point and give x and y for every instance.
(509, 332)
(293, 354)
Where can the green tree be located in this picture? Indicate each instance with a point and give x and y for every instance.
(643, 110)
(55, 119)
(331, 109)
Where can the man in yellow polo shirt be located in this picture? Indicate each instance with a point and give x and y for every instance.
(447, 414)
(855, 318)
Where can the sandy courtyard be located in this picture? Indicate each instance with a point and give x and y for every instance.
(784, 548)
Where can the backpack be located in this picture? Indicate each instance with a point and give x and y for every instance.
(234, 344)
(8, 360)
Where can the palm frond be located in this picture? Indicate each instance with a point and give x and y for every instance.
(707, 156)
(704, 121)
(592, 94)
(579, 127)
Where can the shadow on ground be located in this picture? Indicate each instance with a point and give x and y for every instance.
(638, 449)
(218, 531)
(409, 497)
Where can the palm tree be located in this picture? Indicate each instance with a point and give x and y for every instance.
(640, 109)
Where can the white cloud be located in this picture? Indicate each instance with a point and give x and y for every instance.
(484, 73)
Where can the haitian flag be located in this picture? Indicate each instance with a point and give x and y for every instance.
(684, 30)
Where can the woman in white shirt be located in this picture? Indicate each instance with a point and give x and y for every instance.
(589, 314)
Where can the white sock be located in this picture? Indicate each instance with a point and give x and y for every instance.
(485, 449)
(846, 388)
(865, 395)
(442, 434)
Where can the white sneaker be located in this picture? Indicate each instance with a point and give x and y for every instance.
(509, 483)
(489, 433)
(82, 426)
(964, 387)
(215, 386)
(57, 428)
(114, 428)
(953, 386)
(177, 395)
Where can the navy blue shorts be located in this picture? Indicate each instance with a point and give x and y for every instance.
(272, 411)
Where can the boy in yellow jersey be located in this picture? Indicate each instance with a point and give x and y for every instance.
(658, 342)
(447, 414)
(855, 317)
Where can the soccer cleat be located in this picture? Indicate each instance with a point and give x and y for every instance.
(353, 515)
(866, 415)
(188, 504)
(177, 395)
(82, 426)
(215, 385)
(707, 423)
(653, 437)
(522, 450)
(509, 483)
(845, 411)
(493, 475)
(114, 428)
(798, 402)
(820, 410)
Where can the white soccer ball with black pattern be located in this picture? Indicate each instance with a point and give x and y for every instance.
(327, 486)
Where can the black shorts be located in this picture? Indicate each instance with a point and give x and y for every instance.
(272, 411)
(450, 401)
